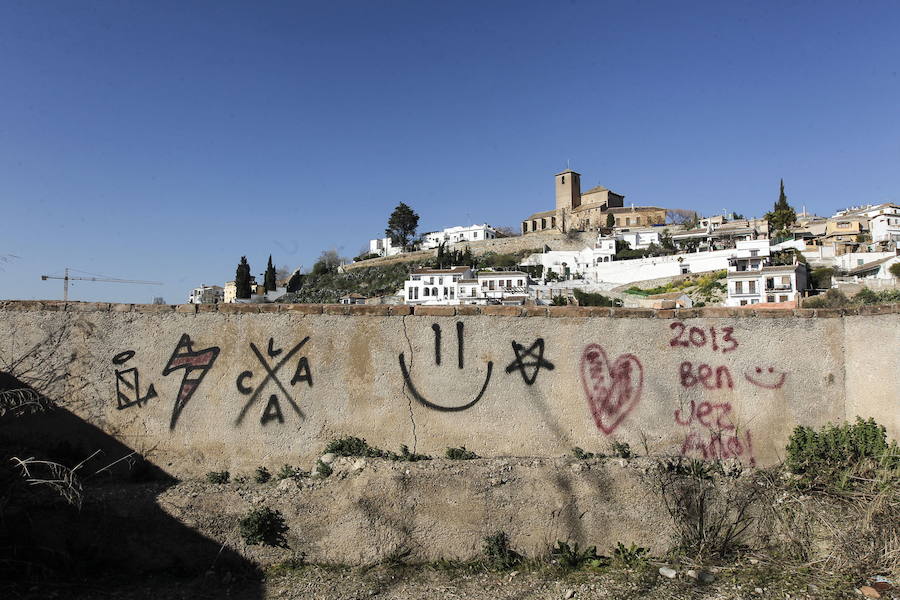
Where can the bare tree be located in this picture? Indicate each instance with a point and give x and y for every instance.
(681, 216)
(507, 232)
(159, 300)
(283, 272)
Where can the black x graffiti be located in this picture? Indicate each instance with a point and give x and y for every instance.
(536, 351)
(271, 375)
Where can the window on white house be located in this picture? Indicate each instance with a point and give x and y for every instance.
(752, 287)
(738, 287)
(425, 292)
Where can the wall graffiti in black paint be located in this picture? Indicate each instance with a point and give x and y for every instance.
(128, 383)
(196, 364)
(536, 352)
(460, 363)
(272, 411)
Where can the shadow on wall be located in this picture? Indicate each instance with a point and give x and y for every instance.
(82, 528)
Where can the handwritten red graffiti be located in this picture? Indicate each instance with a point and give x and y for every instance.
(612, 390)
(719, 446)
(708, 414)
(770, 379)
(705, 376)
(698, 338)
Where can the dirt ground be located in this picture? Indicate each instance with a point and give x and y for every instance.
(426, 582)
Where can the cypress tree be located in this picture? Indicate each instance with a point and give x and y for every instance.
(242, 279)
(269, 281)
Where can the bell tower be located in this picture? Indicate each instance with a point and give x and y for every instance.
(568, 190)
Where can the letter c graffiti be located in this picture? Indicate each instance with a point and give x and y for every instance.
(240, 383)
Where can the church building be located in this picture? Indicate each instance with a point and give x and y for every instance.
(590, 210)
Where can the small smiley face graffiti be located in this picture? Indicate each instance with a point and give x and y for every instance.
(769, 378)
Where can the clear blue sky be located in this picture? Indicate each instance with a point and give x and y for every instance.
(163, 140)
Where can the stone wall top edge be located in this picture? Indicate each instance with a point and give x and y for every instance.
(384, 310)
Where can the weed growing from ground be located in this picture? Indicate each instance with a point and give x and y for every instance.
(630, 556)
(323, 470)
(261, 475)
(839, 456)
(264, 526)
(218, 476)
(497, 552)
(580, 454)
(622, 450)
(461, 454)
(570, 557)
(354, 446)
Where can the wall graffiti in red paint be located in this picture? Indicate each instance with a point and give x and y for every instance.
(719, 446)
(708, 414)
(612, 390)
(705, 376)
(697, 337)
(770, 378)
(713, 435)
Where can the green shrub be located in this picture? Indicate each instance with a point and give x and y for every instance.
(894, 270)
(460, 454)
(218, 476)
(571, 558)
(582, 455)
(261, 475)
(323, 470)
(289, 472)
(498, 553)
(354, 446)
(593, 299)
(868, 297)
(263, 526)
(632, 556)
(559, 301)
(830, 299)
(838, 454)
(622, 450)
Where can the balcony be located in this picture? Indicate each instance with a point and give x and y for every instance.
(779, 287)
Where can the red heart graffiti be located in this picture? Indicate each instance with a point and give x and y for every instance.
(612, 390)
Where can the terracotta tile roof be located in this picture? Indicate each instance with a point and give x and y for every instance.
(539, 215)
(451, 271)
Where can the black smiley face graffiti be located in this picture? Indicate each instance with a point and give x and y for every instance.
(769, 378)
(437, 360)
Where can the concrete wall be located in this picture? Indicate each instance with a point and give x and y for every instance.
(233, 387)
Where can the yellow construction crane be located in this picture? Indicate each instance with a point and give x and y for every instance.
(66, 279)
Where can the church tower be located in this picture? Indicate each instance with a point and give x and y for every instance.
(568, 190)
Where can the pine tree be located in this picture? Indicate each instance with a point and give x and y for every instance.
(402, 226)
(269, 281)
(782, 216)
(610, 220)
(242, 279)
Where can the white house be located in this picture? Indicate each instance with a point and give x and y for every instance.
(461, 285)
(383, 247)
(591, 264)
(435, 286)
(886, 226)
(453, 235)
(207, 294)
(638, 239)
(751, 281)
(877, 269)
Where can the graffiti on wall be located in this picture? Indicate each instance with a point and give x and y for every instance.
(128, 383)
(272, 411)
(612, 389)
(527, 361)
(711, 432)
(195, 364)
(460, 363)
(531, 358)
